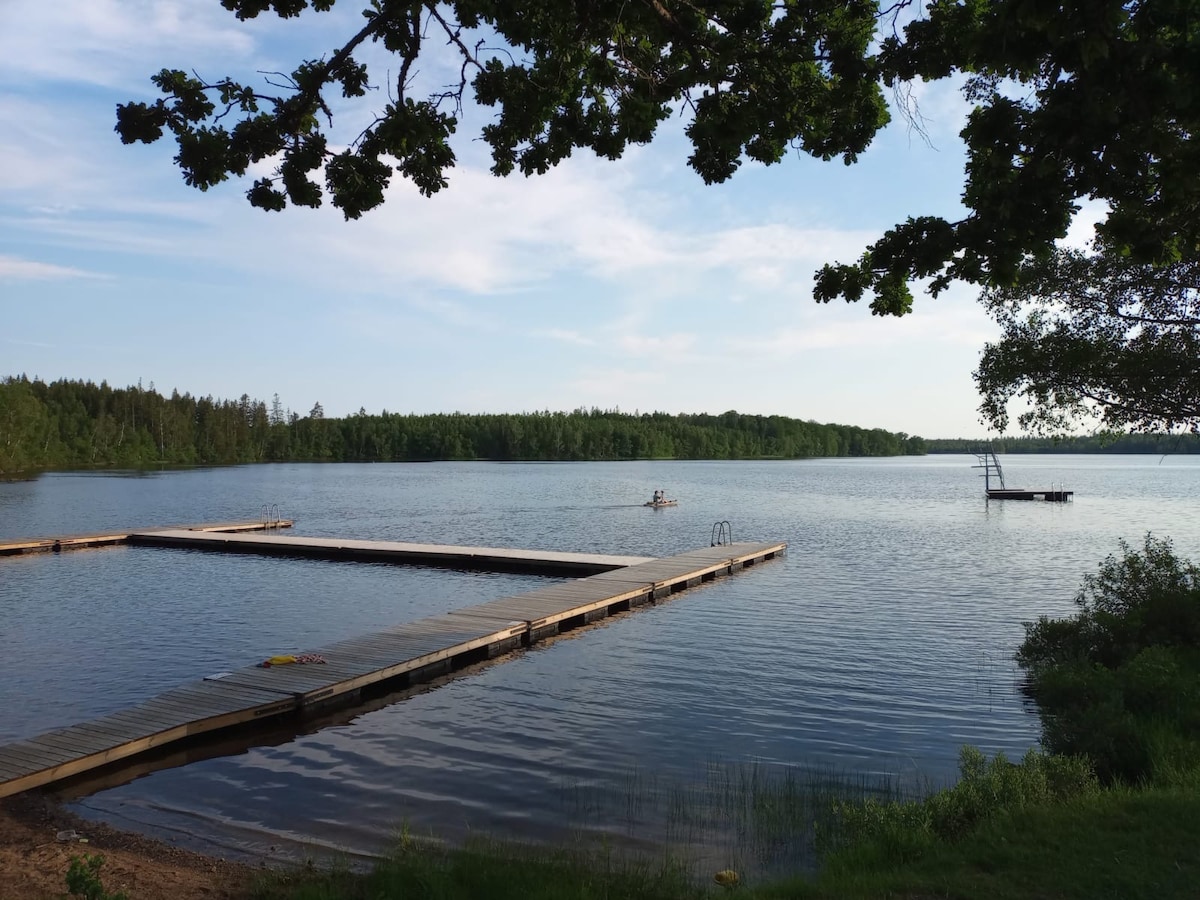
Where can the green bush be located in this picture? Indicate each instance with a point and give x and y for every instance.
(1155, 683)
(1141, 599)
(83, 879)
(1119, 681)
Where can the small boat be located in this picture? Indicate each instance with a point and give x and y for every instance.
(658, 504)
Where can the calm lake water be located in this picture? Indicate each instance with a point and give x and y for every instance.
(878, 646)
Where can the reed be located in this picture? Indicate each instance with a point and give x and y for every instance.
(1035, 829)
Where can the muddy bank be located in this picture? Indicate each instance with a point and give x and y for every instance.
(34, 863)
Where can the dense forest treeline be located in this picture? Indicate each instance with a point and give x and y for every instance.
(71, 424)
(1098, 443)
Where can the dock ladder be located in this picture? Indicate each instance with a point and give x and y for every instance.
(270, 517)
(722, 533)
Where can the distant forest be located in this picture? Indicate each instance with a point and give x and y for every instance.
(1101, 443)
(79, 424)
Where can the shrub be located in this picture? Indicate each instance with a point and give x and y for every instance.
(1118, 682)
(83, 879)
(901, 831)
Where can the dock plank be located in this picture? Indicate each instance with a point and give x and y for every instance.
(80, 743)
(33, 753)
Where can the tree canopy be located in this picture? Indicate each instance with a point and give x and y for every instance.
(1074, 100)
(1096, 335)
(68, 424)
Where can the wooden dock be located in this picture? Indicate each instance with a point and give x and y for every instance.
(403, 654)
(488, 559)
(1051, 496)
(109, 538)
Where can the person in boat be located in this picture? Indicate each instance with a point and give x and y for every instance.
(658, 496)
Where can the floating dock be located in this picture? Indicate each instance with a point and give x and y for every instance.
(111, 538)
(488, 559)
(1053, 496)
(395, 657)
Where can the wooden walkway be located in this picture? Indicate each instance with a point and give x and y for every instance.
(108, 538)
(404, 654)
(489, 559)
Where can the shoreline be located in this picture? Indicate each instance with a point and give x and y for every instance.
(34, 863)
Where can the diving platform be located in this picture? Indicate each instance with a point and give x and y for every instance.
(347, 672)
(993, 472)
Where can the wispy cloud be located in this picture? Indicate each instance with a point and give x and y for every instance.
(671, 346)
(105, 42)
(942, 322)
(566, 336)
(595, 386)
(13, 268)
(457, 314)
(931, 111)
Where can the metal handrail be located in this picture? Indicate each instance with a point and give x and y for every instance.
(269, 516)
(722, 533)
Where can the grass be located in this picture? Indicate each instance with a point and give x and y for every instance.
(488, 869)
(1116, 843)
(1034, 830)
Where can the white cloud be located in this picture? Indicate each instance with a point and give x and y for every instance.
(566, 336)
(932, 111)
(456, 314)
(775, 247)
(671, 346)
(940, 322)
(601, 386)
(105, 42)
(15, 269)
(489, 235)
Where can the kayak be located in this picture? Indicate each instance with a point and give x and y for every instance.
(660, 503)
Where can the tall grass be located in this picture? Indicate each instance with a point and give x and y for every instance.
(493, 869)
(758, 818)
(898, 832)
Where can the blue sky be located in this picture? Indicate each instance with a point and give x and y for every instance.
(628, 285)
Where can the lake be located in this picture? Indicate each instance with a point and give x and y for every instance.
(879, 645)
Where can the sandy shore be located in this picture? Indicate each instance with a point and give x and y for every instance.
(34, 863)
